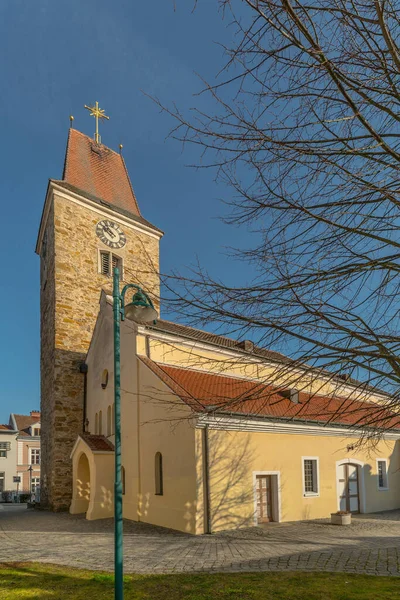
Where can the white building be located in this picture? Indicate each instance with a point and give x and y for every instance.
(8, 459)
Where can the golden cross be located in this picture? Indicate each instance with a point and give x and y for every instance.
(97, 113)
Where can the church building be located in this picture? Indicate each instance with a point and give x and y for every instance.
(216, 433)
(90, 223)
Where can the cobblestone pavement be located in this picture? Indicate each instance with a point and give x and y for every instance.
(370, 545)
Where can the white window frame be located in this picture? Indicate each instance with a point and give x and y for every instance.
(382, 489)
(316, 472)
(111, 253)
(35, 484)
(30, 456)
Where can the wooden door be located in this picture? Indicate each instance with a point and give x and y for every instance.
(349, 488)
(264, 498)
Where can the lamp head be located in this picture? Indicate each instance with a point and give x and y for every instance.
(141, 308)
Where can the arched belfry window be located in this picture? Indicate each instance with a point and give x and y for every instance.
(96, 424)
(159, 474)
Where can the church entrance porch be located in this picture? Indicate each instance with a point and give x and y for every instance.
(92, 477)
(81, 496)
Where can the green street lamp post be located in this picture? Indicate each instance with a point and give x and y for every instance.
(140, 309)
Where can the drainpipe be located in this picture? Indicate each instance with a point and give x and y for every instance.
(83, 368)
(138, 437)
(206, 480)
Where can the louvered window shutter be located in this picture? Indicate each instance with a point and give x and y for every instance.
(105, 263)
(117, 263)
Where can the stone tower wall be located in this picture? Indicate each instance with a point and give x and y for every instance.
(47, 352)
(72, 307)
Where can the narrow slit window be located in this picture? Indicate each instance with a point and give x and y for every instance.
(123, 480)
(159, 474)
(109, 420)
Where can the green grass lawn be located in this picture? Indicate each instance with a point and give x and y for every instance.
(31, 581)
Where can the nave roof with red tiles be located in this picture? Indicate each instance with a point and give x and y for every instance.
(205, 392)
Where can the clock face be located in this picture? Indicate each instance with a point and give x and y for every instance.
(110, 234)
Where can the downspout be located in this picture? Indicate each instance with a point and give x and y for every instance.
(83, 368)
(140, 505)
(206, 481)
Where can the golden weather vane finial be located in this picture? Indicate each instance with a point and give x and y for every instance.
(97, 113)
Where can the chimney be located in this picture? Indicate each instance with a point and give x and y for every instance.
(35, 414)
(344, 376)
(246, 345)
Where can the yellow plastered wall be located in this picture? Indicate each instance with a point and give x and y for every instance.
(236, 457)
(191, 355)
(166, 427)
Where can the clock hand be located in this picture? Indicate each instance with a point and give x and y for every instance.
(108, 230)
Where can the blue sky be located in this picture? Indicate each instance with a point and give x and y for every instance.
(58, 56)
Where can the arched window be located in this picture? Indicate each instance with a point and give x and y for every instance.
(104, 379)
(96, 424)
(159, 474)
(113, 419)
(123, 479)
(109, 420)
(100, 423)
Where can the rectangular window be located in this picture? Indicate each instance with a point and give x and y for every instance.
(382, 475)
(310, 476)
(36, 431)
(35, 456)
(3, 453)
(108, 262)
(35, 484)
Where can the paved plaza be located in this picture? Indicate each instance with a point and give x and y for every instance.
(370, 545)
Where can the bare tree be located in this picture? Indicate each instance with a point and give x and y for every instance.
(306, 132)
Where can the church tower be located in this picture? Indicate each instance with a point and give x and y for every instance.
(91, 222)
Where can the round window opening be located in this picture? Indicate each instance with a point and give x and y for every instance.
(104, 379)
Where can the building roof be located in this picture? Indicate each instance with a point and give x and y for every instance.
(97, 443)
(6, 427)
(99, 171)
(219, 340)
(219, 394)
(253, 350)
(24, 422)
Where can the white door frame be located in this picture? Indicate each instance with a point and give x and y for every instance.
(361, 483)
(275, 494)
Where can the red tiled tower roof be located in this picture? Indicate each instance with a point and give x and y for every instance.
(99, 171)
